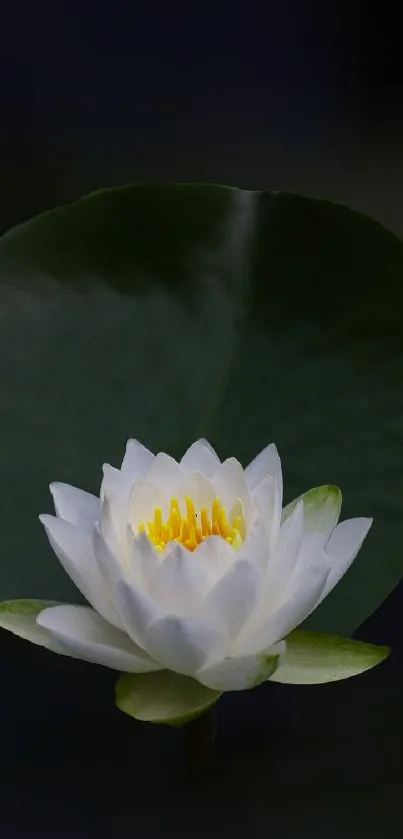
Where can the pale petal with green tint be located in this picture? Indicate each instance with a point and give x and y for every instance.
(19, 617)
(242, 673)
(163, 697)
(322, 507)
(313, 658)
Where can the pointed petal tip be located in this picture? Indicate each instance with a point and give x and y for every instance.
(45, 518)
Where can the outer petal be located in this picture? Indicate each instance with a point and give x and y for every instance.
(299, 600)
(313, 658)
(264, 464)
(137, 459)
(75, 505)
(163, 697)
(242, 673)
(90, 637)
(322, 507)
(20, 618)
(180, 582)
(73, 547)
(185, 644)
(231, 602)
(201, 457)
(342, 548)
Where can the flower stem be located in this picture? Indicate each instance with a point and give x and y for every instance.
(198, 742)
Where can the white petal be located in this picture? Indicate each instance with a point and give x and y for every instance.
(299, 600)
(138, 611)
(230, 484)
(216, 556)
(116, 484)
(75, 505)
(285, 557)
(144, 498)
(91, 638)
(138, 565)
(200, 490)
(137, 459)
(264, 464)
(342, 548)
(109, 566)
(180, 582)
(256, 547)
(74, 549)
(231, 602)
(166, 474)
(143, 560)
(201, 457)
(268, 498)
(113, 525)
(185, 644)
(242, 673)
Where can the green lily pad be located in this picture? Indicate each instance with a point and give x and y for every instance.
(168, 313)
(313, 658)
(163, 697)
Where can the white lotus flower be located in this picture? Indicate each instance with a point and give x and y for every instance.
(193, 566)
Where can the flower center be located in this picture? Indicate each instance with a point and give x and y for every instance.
(193, 528)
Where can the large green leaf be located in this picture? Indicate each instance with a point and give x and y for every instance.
(171, 312)
(163, 697)
(313, 658)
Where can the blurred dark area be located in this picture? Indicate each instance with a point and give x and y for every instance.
(302, 96)
(288, 95)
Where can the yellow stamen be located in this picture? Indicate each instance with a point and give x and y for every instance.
(239, 525)
(192, 529)
(206, 526)
(191, 512)
(158, 521)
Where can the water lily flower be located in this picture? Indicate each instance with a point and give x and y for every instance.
(194, 567)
